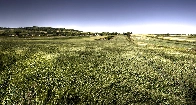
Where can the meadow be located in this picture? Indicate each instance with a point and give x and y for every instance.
(84, 70)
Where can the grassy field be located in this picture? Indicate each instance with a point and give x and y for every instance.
(82, 70)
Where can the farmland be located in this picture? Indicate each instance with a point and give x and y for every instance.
(84, 70)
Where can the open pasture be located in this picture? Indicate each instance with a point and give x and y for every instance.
(87, 71)
(179, 38)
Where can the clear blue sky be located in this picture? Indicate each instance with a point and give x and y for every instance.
(137, 16)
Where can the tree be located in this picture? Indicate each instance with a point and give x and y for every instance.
(17, 32)
(128, 33)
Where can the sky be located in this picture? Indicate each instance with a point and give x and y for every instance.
(137, 16)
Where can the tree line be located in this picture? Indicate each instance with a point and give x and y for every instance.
(48, 31)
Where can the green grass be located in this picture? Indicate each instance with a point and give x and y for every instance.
(79, 71)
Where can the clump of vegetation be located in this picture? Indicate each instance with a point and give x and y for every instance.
(76, 71)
